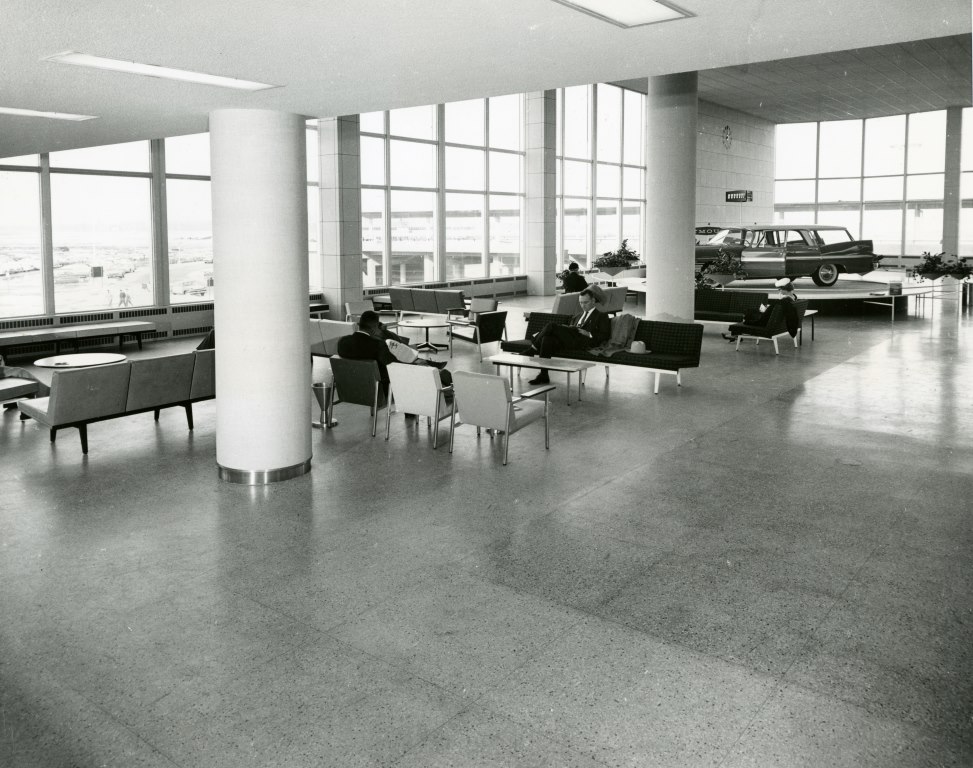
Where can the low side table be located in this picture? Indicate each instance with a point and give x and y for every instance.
(425, 323)
(559, 364)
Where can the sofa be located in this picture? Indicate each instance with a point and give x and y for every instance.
(82, 396)
(611, 300)
(426, 301)
(720, 306)
(670, 347)
(60, 334)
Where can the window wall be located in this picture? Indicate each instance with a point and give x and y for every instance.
(600, 171)
(442, 191)
(189, 217)
(882, 178)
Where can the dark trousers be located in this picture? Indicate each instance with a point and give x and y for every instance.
(554, 338)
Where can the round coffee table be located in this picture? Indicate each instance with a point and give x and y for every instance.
(82, 360)
(425, 323)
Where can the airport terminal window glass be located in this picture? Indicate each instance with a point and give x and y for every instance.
(924, 228)
(504, 224)
(413, 122)
(464, 236)
(576, 121)
(575, 214)
(608, 181)
(465, 122)
(927, 142)
(30, 161)
(132, 156)
(882, 188)
(372, 122)
(966, 229)
(885, 145)
(190, 229)
(313, 244)
(632, 221)
(847, 216)
(609, 133)
(505, 172)
(841, 149)
(577, 178)
(801, 191)
(413, 164)
(413, 246)
(312, 153)
(372, 160)
(632, 142)
(373, 237)
(607, 226)
(506, 122)
(188, 154)
(883, 225)
(21, 284)
(633, 182)
(927, 186)
(839, 190)
(796, 150)
(101, 224)
(464, 168)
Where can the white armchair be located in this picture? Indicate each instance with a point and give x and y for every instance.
(485, 401)
(418, 389)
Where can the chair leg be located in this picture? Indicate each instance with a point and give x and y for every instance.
(53, 434)
(658, 378)
(738, 343)
(83, 431)
(375, 410)
(776, 348)
(388, 416)
(435, 434)
(506, 438)
(452, 422)
(189, 414)
(157, 413)
(547, 423)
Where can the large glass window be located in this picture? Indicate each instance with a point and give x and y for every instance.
(188, 154)
(133, 156)
(841, 149)
(505, 237)
(189, 215)
(413, 122)
(796, 150)
(413, 223)
(21, 286)
(102, 237)
(464, 236)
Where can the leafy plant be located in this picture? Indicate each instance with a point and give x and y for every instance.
(623, 256)
(939, 264)
(725, 263)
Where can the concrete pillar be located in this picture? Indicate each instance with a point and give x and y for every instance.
(541, 215)
(340, 230)
(952, 200)
(259, 189)
(670, 196)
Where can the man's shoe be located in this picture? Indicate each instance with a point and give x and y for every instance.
(729, 338)
(542, 379)
(437, 364)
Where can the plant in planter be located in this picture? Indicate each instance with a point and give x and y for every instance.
(725, 268)
(615, 261)
(933, 266)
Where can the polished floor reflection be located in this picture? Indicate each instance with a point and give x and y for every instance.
(769, 566)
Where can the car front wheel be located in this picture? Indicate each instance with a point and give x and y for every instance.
(826, 275)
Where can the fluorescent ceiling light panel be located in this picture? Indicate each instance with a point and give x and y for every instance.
(50, 115)
(151, 70)
(627, 13)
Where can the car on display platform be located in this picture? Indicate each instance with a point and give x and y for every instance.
(818, 251)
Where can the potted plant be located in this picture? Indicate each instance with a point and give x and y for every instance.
(723, 269)
(933, 266)
(613, 262)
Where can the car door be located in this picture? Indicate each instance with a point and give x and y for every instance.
(802, 255)
(762, 256)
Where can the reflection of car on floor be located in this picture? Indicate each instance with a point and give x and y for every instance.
(787, 250)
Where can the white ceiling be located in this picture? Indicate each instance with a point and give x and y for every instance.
(336, 57)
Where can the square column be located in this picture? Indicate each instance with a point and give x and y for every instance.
(339, 144)
(541, 213)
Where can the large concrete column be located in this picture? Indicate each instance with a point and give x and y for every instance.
(339, 144)
(541, 192)
(263, 419)
(670, 196)
(952, 200)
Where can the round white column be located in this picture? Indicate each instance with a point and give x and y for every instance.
(670, 196)
(263, 376)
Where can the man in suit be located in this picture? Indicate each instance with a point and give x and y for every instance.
(369, 343)
(588, 329)
(573, 281)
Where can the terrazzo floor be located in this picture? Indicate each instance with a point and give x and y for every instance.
(769, 566)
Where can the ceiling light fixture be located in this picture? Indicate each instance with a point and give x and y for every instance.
(49, 115)
(628, 13)
(151, 70)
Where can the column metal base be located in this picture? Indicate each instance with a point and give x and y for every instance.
(263, 476)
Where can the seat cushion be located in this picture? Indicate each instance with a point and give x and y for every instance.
(14, 388)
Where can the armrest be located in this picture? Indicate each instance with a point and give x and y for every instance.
(461, 311)
(535, 392)
(453, 321)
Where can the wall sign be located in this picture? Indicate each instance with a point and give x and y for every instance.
(739, 196)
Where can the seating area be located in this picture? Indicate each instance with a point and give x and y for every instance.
(670, 347)
(724, 306)
(430, 301)
(81, 396)
(73, 334)
(786, 319)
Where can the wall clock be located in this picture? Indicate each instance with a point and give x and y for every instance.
(727, 136)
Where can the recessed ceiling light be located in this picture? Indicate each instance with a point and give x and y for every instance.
(151, 70)
(628, 13)
(50, 115)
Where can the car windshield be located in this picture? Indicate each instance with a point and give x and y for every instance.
(726, 237)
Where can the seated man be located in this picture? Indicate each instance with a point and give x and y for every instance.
(369, 343)
(572, 280)
(760, 318)
(587, 329)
